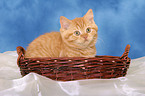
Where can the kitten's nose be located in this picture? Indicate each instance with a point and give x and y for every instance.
(85, 36)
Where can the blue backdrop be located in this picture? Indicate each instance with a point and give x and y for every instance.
(120, 22)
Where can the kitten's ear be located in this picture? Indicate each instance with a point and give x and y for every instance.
(64, 22)
(89, 16)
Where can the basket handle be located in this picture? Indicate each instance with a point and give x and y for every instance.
(125, 54)
(20, 52)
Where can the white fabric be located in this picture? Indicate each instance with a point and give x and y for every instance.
(12, 84)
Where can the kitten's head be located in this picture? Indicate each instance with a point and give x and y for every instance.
(79, 32)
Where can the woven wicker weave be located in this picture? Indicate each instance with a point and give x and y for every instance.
(76, 68)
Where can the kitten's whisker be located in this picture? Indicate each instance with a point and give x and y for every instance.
(100, 43)
(99, 40)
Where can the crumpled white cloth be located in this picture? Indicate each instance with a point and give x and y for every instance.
(13, 84)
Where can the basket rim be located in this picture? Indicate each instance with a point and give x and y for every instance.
(21, 52)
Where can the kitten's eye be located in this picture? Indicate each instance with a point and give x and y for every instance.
(88, 30)
(77, 33)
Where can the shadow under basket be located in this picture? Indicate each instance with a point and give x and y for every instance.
(75, 68)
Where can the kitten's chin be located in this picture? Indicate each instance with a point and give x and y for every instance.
(87, 43)
(83, 45)
(77, 45)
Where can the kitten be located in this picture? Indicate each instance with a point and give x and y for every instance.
(77, 38)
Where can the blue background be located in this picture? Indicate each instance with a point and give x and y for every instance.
(120, 22)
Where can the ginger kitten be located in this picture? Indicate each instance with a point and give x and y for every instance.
(77, 38)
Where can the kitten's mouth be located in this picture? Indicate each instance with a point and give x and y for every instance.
(85, 43)
(86, 40)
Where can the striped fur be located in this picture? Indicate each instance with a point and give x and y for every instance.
(65, 43)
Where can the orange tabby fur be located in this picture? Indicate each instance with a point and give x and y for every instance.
(68, 42)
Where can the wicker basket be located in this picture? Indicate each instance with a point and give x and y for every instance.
(76, 68)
